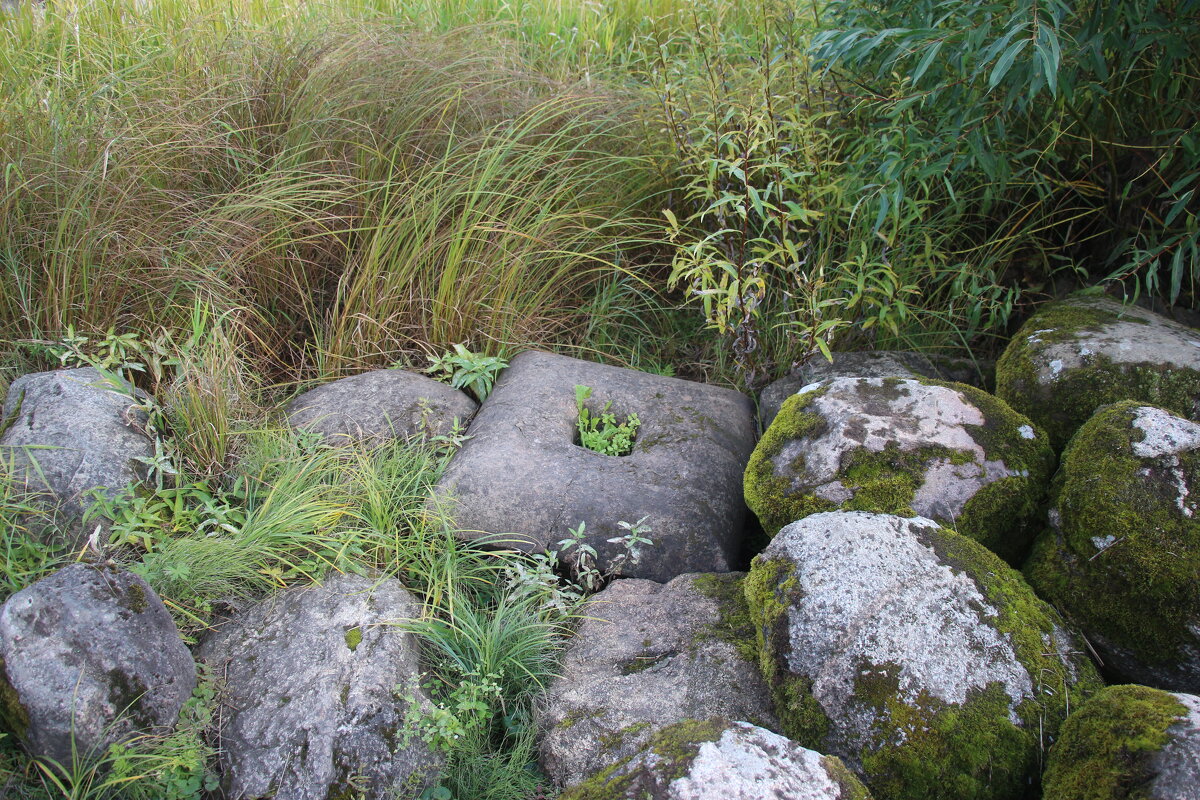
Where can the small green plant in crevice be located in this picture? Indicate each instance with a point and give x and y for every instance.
(464, 369)
(583, 557)
(600, 432)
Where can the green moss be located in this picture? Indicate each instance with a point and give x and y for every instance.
(353, 637)
(674, 747)
(615, 739)
(13, 715)
(851, 788)
(734, 624)
(1140, 592)
(579, 715)
(769, 495)
(771, 588)
(135, 598)
(638, 664)
(1061, 407)
(1106, 748)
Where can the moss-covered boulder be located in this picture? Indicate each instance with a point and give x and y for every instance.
(1121, 558)
(1128, 742)
(720, 760)
(912, 653)
(946, 451)
(648, 655)
(1078, 354)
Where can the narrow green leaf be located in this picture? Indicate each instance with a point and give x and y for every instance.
(1005, 62)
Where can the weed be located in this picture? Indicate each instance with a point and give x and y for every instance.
(464, 369)
(600, 432)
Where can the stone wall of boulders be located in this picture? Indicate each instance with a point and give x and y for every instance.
(965, 594)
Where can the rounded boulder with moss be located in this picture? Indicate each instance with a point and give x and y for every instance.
(1122, 555)
(720, 760)
(912, 653)
(1128, 742)
(1076, 355)
(946, 451)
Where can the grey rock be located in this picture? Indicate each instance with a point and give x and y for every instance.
(522, 478)
(906, 639)
(946, 451)
(1076, 355)
(381, 405)
(875, 364)
(70, 431)
(1176, 767)
(90, 654)
(649, 655)
(720, 760)
(315, 686)
(1120, 554)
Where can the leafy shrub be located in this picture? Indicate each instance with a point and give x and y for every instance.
(600, 432)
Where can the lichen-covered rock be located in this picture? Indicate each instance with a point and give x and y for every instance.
(720, 760)
(945, 451)
(1076, 355)
(648, 655)
(89, 656)
(912, 653)
(1128, 742)
(70, 431)
(524, 480)
(1121, 558)
(314, 702)
(377, 406)
(874, 364)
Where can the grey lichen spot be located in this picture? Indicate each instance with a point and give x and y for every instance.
(1027, 432)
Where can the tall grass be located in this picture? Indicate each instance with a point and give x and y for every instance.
(336, 183)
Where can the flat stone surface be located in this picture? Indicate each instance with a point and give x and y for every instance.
(73, 431)
(648, 655)
(720, 760)
(315, 686)
(378, 406)
(873, 364)
(521, 474)
(93, 656)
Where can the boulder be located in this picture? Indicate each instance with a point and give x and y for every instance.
(913, 654)
(89, 656)
(649, 655)
(1128, 742)
(1076, 355)
(720, 760)
(1121, 557)
(378, 406)
(523, 479)
(946, 451)
(316, 681)
(72, 430)
(874, 364)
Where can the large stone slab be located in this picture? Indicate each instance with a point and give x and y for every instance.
(913, 654)
(70, 431)
(1076, 355)
(646, 656)
(89, 656)
(720, 760)
(377, 406)
(1127, 742)
(1121, 557)
(522, 473)
(315, 686)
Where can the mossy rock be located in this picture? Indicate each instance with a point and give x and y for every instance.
(720, 760)
(1122, 555)
(946, 451)
(1128, 743)
(914, 654)
(1076, 355)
